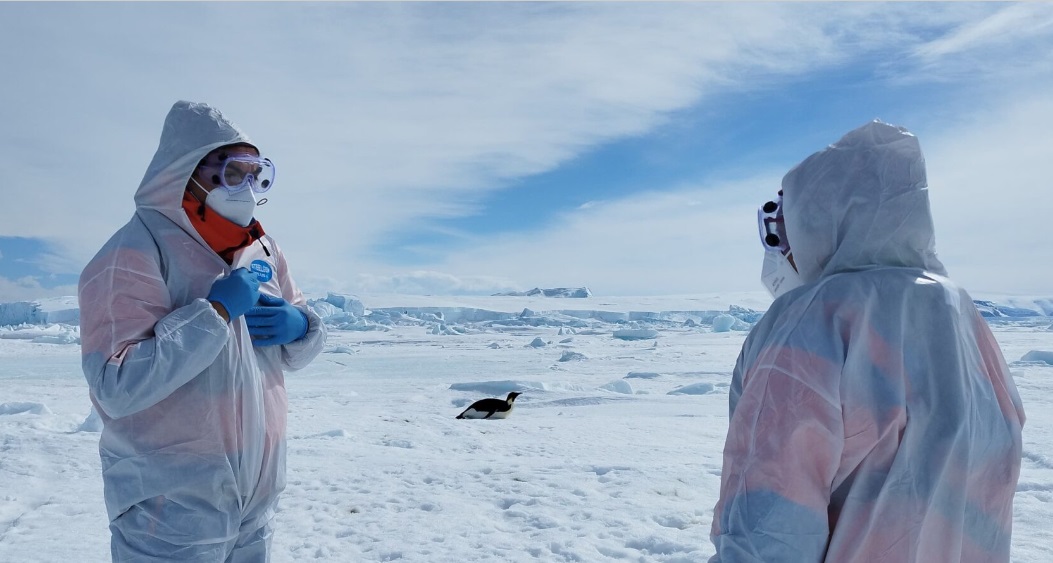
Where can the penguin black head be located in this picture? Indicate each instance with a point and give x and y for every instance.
(512, 396)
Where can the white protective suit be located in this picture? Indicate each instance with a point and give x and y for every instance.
(873, 417)
(193, 445)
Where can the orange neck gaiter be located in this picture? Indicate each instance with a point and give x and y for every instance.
(223, 236)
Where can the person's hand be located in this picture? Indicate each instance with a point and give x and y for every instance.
(235, 293)
(274, 321)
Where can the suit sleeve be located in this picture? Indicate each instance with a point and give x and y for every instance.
(299, 353)
(782, 453)
(135, 349)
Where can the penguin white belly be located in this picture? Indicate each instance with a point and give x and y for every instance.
(487, 408)
(472, 413)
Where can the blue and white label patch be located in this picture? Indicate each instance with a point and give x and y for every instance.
(263, 270)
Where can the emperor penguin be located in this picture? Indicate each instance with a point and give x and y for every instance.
(490, 408)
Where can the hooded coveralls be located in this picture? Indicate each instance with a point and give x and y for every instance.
(193, 445)
(873, 417)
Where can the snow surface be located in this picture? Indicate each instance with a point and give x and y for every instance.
(613, 455)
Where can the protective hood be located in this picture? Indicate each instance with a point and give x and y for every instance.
(190, 132)
(861, 203)
(872, 414)
(194, 412)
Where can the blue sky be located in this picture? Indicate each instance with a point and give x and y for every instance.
(774, 123)
(474, 148)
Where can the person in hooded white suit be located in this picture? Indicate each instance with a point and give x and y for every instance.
(872, 415)
(192, 398)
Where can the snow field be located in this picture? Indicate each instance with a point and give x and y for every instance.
(598, 462)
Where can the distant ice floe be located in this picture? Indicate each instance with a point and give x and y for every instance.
(52, 310)
(694, 389)
(619, 386)
(338, 350)
(635, 333)
(725, 322)
(56, 320)
(579, 401)
(1040, 356)
(496, 388)
(563, 292)
(47, 334)
(1014, 308)
(461, 320)
(343, 312)
(642, 375)
(24, 408)
(93, 422)
(448, 330)
(571, 356)
(501, 388)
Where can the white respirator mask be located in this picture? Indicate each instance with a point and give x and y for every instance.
(778, 275)
(235, 207)
(238, 208)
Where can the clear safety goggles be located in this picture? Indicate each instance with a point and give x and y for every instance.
(241, 172)
(772, 227)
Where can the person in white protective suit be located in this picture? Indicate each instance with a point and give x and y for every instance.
(189, 316)
(873, 417)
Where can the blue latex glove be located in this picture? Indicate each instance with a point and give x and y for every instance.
(274, 321)
(237, 292)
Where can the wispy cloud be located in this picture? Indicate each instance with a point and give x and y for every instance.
(1004, 43)
(459, 107)
(425, 282)
(685, 240)
(1008, 25)
(987, 173)
(29, 288)
(989, 177)
(383, 115)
